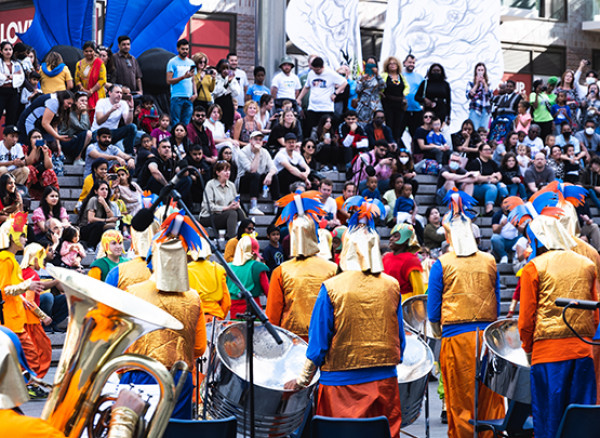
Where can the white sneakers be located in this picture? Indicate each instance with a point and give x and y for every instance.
(255, 212)
(504, 259)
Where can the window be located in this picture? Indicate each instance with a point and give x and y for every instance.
(212, 34)
(371, 41)
(538, 61)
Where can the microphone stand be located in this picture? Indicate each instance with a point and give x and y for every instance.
(253, 311)
(564, 317)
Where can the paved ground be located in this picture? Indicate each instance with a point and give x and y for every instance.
(417, 429)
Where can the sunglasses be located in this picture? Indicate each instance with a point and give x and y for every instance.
(427, 116)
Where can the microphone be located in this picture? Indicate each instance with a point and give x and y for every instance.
(145, 216)
(577, 304)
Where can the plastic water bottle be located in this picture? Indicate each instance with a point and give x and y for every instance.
(265, 192)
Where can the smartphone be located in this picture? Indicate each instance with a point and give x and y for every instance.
(112, 176)
(237, 198)
(192, 68)
(40, 142)
(369, 69)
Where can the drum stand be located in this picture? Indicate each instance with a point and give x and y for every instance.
(477, 376)
(253, 311)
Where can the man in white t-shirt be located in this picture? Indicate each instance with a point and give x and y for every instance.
(324, 85)
(12, 158)
(110, 111)
(241, 77)
(329, 204)
(533, 140)
(285, 84)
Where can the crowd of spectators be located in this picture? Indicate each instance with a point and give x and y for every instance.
(380, 128)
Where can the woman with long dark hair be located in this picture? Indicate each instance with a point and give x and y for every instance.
(46, 113)
(226, 154)
(12, 77)
(50, 207)
(10, 198)
(179, 141)
(434, 93)
(39, 162)
(225, 86)
(106, 56)
(95, 215)
(90, 75)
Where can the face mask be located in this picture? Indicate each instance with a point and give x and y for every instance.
(454, 165)
(589, 131)
(212, 120)
(567, 135)
(403, 160)
(591, 80)
(435, 76)
(377, 122)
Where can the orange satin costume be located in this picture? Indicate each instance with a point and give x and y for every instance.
(293, 290)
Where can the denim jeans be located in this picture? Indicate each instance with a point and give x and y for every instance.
(517, 189)
(181, 110)
(594, 197)
(480, 119)
(126, 133)
(502, 246)
(489, 192)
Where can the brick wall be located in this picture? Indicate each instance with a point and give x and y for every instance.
(245, 40)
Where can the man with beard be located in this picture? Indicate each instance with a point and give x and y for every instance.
(198, 134)
(180, 73)
(105, 149)
(413, 116)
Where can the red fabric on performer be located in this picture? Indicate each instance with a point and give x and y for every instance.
(400, 266)
(364, 400)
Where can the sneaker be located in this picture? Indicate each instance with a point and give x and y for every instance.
(444, 417)
(255, 212)
(334, 169)
(79, 162)
(504, 259)
(36, 393)
(325, 169)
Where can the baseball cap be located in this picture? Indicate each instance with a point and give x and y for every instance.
(290, 136)
(256, 134)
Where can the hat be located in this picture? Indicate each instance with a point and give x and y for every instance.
(301, 211)
(360, 243)
(407, 236)
(256, 134)
(552, 80)
(457, 223)
(286, 60)
(246, 249)
(13, 228)
(10, 129)
(290, 136)
(540, 215)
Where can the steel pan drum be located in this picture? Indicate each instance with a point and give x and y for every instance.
(278, 412)
(413, 374)
(506, 370)
(414, 313)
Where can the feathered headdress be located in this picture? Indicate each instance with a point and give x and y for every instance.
(363, 211)
(540, 217)
(178, 235)
(360, 248)
(570, 197)
(302, 211)
(457, 222)
(148, 198)
(181, 227)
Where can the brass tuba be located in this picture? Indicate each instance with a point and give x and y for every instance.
(103, 322)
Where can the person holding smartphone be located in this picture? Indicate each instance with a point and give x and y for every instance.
(479, 96)
(180, 74)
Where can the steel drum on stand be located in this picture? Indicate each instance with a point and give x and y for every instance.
(506, 369)
(413, 375)
(414, 313)
(278, 412)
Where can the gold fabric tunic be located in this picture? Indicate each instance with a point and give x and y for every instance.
(133, 272)
(365, 321)
(558, 279)
(302, 281)
(469, 288)
(169, 346)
